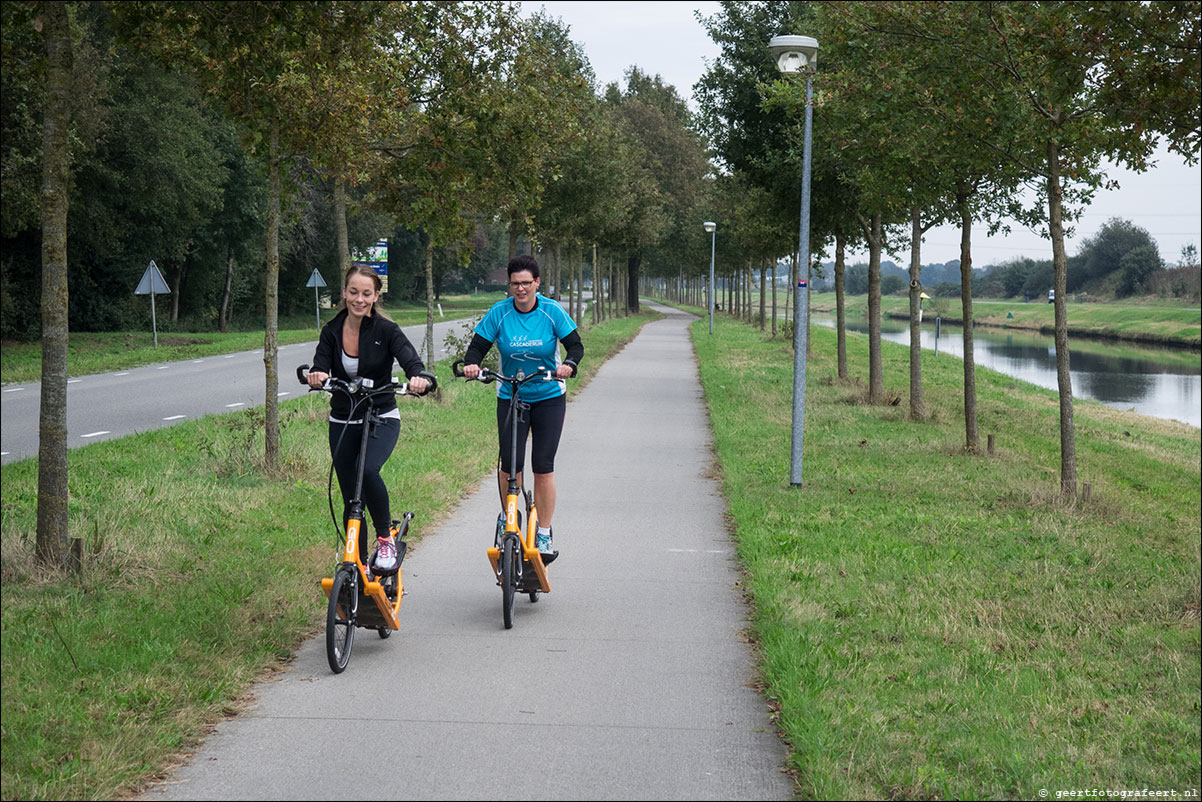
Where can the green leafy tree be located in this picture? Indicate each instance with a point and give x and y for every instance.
(436, 141)
(1076, 92)
(276, 67)
(1189, 255)
(669, 176)
(1136, 267)
(1102, 254)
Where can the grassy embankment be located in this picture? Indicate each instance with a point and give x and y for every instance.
(1142, 322)
(102, 352)
(198, 580)
(939, 625)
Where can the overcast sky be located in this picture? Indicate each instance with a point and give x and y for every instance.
(665, 38)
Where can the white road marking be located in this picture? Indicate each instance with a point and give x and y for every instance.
(281, 395)
(239, 404)
(175, 417)
(125, 373)
(14, 389)
(162, 367)
(93, 434)
(72, 381)
(696, 551)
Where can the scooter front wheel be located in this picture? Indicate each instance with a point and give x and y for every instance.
(509, 579)
(340, 620)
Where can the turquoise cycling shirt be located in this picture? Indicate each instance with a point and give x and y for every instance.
(528, 340)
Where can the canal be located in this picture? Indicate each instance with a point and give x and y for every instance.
(1162, 382)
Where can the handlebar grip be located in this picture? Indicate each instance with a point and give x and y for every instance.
(457, 368)
(302, 374)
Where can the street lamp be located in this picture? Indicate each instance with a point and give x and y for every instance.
(794, 54)
(711, 228)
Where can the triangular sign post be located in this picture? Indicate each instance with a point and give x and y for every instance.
(315, 281)
(153, 283)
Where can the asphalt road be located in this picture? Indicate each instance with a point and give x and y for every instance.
(109, 405)
(630, 680)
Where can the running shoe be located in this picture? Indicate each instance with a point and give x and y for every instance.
(385, 559)
(545, 548)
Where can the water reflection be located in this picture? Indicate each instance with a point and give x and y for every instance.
(1163, 382)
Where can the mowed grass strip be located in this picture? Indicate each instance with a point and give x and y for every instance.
(940, 625)
(201, 575)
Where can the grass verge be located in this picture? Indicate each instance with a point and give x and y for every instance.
(939, 625)
(198, 579)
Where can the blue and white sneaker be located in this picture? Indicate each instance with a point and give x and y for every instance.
(546, 549)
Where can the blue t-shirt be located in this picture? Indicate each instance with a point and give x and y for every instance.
(526, 341)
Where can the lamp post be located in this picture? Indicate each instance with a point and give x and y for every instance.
(794, 54)
(711, 228)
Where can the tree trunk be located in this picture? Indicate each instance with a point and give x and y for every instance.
(570, 283)
(806, 300)
(429, 303)
(513, 241)
(792, 283)
(1068, 445)
(52, 533)
(971, 438)
(175, 292)
(579, 287)
(557, 273)
(917, 409)
(763, 295)
(747, 315)
(737, 301)
(875, 239)
(632, 283)
(223, 317)
(596, 288)
(272, 302)
(840, 307)
(774, 297)
(341, 240)
(609, 263)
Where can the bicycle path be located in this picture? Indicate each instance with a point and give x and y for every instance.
(629, 681)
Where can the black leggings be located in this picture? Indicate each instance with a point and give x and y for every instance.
(346, 458)
(545, 418)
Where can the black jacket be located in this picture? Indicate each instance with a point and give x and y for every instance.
(380, 342)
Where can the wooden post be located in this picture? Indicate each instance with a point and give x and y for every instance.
(989, 446)
(1086, 490)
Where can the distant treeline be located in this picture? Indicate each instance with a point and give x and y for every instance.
(1121, 260)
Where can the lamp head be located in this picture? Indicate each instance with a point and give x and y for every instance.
(710, 227)
(794, 53)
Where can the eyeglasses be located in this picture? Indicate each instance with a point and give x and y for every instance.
(520, 285)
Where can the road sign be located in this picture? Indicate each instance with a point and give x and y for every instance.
(152, 282)
(316, 281)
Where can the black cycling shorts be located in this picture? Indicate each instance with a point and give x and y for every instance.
(545, 419)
